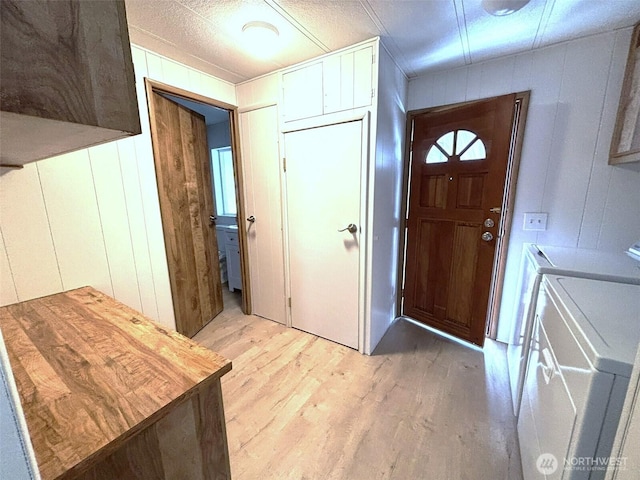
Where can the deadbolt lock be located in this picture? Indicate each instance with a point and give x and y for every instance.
(487, 236)
(489, 223)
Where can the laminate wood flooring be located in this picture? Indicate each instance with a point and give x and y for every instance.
(422, 407)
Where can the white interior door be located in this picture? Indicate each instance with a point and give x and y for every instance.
(323, 196)
(261, 175)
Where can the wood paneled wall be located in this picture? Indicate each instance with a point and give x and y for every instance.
(575, 87)
(92, 217)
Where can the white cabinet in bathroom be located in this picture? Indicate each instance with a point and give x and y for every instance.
(231, 247)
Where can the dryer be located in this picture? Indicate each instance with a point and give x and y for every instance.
(539, 260)
(586, 333)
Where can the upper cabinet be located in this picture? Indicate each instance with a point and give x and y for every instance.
(67, 78)
(338, 82)
(347, 80)
(302, 92)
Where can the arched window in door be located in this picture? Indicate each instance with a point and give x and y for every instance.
(462, 145)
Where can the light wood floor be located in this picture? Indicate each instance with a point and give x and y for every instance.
(422, 407)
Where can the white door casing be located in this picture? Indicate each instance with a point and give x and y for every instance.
(323, 178)
(262, 193)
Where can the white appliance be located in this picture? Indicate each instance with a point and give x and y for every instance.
(623, 267)
(586, 333)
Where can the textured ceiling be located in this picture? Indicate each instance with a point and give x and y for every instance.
(422, 35)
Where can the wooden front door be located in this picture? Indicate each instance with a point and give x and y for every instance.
(324, 168)
(184, 187)
(458, 169)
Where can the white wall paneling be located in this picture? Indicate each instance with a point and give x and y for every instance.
(580, 103)
(598, 229)
(8, 292)
(146, 63)
(575, 87)
(137, 227)
(72, 210)
(260, 92)
(114, 219)
(92, 217)
(384, 198)
(30, 267)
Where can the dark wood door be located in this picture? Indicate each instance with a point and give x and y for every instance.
(183, 172)
(458, 169)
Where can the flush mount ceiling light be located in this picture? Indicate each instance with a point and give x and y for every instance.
(500, 8)
(261, 38)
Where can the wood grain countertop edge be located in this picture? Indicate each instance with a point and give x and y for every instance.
(224, 366)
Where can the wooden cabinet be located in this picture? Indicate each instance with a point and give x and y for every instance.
(107, 393)
(67, 78)
(339, 82)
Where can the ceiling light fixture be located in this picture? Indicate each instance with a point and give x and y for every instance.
(500, 8)
(261, 38)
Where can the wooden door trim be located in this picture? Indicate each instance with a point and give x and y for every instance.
(517, 135)
(152, 86)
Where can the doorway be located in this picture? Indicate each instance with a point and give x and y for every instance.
(195, 153)
(223, 188)
(460, 170)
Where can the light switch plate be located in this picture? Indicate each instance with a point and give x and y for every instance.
(535, 221)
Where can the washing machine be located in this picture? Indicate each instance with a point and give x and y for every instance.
(585, 337)
(539, 260)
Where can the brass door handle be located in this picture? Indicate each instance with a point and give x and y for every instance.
(351, 228)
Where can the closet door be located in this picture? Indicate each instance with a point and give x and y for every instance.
(263, 205)
(323, 177)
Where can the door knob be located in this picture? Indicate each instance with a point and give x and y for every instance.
(251, 219)
(351, 228)
(489, 223)
(487, 236)
(212, 220)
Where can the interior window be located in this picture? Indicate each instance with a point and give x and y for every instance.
(464, 144)
(223, 181)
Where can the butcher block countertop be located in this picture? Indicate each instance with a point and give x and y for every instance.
(95, 375)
